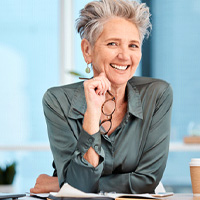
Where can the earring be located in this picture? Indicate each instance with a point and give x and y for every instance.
(87, 70)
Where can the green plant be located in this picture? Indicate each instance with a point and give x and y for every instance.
(7, 174)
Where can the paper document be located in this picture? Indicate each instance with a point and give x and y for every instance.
(39, 195)
(69, 191)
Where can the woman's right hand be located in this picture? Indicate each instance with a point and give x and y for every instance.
(95, 90)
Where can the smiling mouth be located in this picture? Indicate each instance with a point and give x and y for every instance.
(119, 67)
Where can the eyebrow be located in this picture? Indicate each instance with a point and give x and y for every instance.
(135, 41)
(117, 39)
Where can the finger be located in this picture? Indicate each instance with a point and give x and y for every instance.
(31, 190)
(96, 85)
(98, 89)
(41, 189)
(100, 84)
(92, 83)
(36, 190)
(108, 84)
(103, 83)
(104, 86)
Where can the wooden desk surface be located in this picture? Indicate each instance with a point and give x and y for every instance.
(182, 197)
(174, 197)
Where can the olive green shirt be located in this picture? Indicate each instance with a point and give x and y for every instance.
(132, 158)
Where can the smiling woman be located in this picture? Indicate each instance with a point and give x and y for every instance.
(117, 51)
(132, 155)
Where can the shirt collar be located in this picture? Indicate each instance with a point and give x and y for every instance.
(79, 102)
(134, 101)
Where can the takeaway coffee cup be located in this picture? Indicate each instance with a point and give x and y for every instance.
(195, 175)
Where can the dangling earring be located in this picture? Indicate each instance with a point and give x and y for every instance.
(87, 70)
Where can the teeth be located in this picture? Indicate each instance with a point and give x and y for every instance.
(119, 67)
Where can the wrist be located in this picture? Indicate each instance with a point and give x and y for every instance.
(91, 122)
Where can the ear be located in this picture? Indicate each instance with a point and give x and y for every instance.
(86, 50)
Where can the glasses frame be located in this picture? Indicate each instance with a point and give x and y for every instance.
(108, 115)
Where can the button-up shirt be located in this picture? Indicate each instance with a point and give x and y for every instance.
(132, 158)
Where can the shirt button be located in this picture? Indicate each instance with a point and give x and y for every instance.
(96, 147)
(90, 140)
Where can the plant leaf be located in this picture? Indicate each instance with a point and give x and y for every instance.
(7, 175)
(73, 73)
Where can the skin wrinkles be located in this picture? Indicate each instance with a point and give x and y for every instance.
(118, 44)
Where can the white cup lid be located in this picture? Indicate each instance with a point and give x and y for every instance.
(195, 162)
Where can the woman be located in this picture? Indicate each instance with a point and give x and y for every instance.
(111, 132)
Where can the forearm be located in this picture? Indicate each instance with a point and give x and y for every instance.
(128, 183)
(69, 159)
(91, 126)
(82, 175)
(91, 121)
(77, 171)
(92, 157)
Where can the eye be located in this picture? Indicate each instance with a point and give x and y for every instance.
(133, 46)
(112, 44)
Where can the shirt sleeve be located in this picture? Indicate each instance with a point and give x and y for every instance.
(68, 149)
(154, 156)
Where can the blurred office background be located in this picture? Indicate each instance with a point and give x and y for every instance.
(39, 46)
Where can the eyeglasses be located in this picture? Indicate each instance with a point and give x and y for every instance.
(107, 108)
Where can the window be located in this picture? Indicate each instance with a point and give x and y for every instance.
(175, 58)
(29, 56)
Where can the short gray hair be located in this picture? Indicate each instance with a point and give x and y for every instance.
(96, 13)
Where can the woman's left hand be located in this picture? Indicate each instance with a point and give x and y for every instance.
(45, 184)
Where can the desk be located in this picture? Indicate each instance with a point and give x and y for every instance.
(175, 197)
(183, 197)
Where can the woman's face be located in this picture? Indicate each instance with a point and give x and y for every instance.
(117, 51)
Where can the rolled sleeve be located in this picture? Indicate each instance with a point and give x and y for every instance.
(79, 167)
(86, 141)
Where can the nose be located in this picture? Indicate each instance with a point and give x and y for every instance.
(123, 53)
